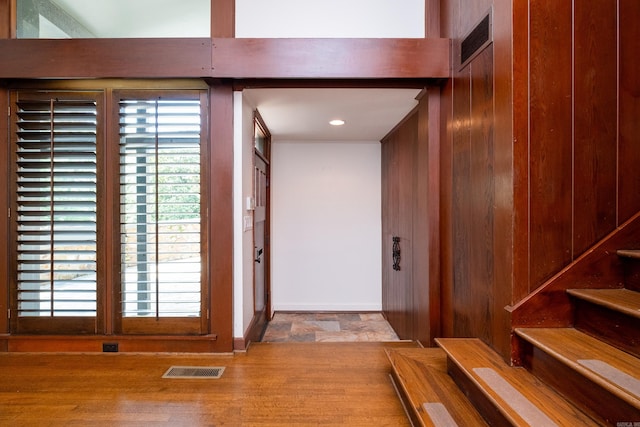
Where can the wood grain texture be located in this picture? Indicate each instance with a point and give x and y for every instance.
(464, 321)
(7, 18)
(330, 58)
(554, 358)
(550, 136)
(629, 109)
(104, 58)
(623, 300)
(611, 325)
(422, 377)
(521, 160)
(595, 121)
(466, 355)
(600, 267)
(446, 214)
(221, 216)
(4, 221)
(223, 18)
(482, 287)
(270, 384)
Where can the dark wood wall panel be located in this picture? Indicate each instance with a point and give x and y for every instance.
(595, 121)
(464, 321)
(550, 138)
(483, 286)
(474, 285)
(446, 211)
(420, 228)
(520, 154)
(4, 207)
(410, 211)
(629, 104)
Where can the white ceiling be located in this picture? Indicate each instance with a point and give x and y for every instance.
(304, 114)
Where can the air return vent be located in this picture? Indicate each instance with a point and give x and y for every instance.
(477, 39)
(213, 372)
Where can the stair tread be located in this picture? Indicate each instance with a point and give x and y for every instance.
(622, 300)
(611, 368)
(521, 397)
(629, 253)
(423, 376)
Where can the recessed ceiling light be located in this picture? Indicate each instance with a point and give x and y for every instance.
(336, 122)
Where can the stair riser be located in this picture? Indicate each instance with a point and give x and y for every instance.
(631, 268)
(406, 402)
(613, 327)
(585, 394)
(484, 406)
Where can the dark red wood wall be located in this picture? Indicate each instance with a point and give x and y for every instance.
(540, 144)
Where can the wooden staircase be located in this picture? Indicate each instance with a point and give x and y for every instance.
(588, 374)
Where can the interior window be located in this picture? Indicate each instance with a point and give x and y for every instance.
(113, 18)
(160, 207)
(66, 257)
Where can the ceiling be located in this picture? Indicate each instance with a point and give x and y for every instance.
(304, 114)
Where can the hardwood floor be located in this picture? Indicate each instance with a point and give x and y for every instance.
(272, 384)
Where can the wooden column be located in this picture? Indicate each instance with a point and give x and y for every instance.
(221, 216)
(223, 18)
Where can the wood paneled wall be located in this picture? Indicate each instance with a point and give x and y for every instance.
(541, 135)
(410, 211)
(582, 153)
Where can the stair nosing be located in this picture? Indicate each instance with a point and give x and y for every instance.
(592, 296)
(629, 253)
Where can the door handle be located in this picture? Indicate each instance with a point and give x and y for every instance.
(259, 254)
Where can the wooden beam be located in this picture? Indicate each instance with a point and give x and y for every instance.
(331, 58)
(104, 58)
(225, 58)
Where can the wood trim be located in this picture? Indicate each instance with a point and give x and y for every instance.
(331, 58)
(223, 18)
(126, 344)
(104, 58)
(7, 18)
(253, 332)
(600, 267)
(4, 207)
(221, 215)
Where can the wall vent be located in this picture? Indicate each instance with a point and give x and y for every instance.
(476, 40)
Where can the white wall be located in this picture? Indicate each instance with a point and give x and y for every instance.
(243, 237)
(330, 18)
(326, 226)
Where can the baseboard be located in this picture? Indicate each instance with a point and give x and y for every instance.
(328, 307)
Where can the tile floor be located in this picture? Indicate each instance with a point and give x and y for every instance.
(328, 327)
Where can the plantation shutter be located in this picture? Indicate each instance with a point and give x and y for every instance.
(160, 214)
(56, 213)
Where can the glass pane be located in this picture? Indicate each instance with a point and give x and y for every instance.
(113, 18)
(160, 208)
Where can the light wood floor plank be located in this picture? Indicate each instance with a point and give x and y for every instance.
(271, 385)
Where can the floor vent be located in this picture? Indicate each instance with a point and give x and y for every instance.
(213, 372)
